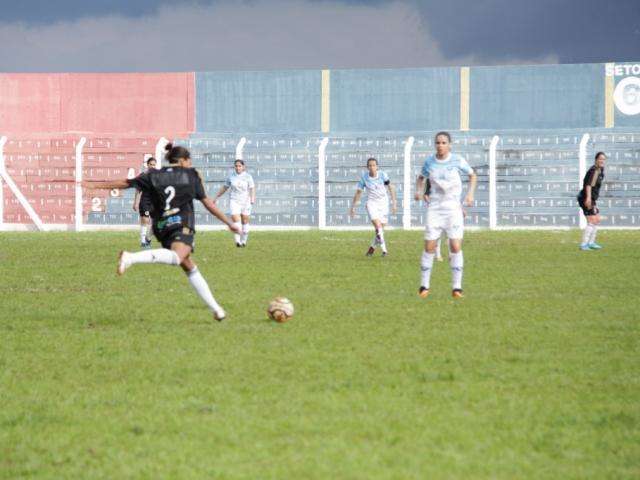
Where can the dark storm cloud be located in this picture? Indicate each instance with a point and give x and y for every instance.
(142, 35)
(577, 31)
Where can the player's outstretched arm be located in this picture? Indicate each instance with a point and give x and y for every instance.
(105, 184)
(473, 181)
(210, 205)
(221, 192)
(394, 200)
(354, 203)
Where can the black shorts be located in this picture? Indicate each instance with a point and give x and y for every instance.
(184, 235)
(145, 209)
(588, 212)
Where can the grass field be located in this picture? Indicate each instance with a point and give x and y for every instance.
(534, 374)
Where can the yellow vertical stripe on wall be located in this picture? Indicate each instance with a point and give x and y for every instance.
(609, 108)
(325, 115)
(464, 98)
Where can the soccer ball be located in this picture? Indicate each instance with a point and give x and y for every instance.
(280, 309)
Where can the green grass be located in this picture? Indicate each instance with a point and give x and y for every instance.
(534, 374)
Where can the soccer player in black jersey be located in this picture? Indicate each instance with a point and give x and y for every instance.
(172, 190)
(142, 204)
(587, 200)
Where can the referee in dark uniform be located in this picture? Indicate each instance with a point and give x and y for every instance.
(172, 190)
(587, 199)
(142, 204)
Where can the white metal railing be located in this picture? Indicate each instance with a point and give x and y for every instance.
(407, 196)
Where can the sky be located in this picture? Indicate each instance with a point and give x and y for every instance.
(201, 35)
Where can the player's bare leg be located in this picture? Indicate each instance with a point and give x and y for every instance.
(196, 279)
(456, 261)
(439, 250)
(245, 230)
(426, 266)
(237, 236)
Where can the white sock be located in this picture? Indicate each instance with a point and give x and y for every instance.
(236, 236)
(438, 251)
(158, 255)
(143, 233)
(380, 238)
(426, 265)
(456, 262)
(198, 282)
(245, 233)
(594, 230)
(586, 234)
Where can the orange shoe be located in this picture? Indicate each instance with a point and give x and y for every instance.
(457, 293)
(423, 292)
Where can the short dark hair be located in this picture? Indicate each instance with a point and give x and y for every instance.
(151, 159)
(237, 160)
(175, 153)
(446, 134)
(371, 159)
(598, 154)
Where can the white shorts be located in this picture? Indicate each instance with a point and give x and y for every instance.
(447, 220)
(378, 211)
(240, 208)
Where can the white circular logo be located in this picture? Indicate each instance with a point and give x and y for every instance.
(627, 96)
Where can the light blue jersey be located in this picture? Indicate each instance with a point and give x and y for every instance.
(239, 186)
(446, 182)
(376, 187)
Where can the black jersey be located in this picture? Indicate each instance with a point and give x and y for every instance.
(593, 178)
(172, 191)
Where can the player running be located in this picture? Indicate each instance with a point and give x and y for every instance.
(172, 190)
(142, 205)
(376, 182)
(587, 200)
(242, 198)
(445, 213)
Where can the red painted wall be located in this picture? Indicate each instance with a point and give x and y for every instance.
(107, 103)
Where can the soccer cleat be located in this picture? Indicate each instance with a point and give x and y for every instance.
(370, 252)
(457, 293)
(594, 246)
(423, 292)
(145, 245)
(123, 262)
(243, 245)
(238, 244)
(584, 247)
(219, 315)
(385, 253)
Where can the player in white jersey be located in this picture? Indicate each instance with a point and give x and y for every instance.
(445, 214)
(376, 182)
(242, 196)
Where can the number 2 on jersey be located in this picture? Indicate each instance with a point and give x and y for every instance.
(171, 193)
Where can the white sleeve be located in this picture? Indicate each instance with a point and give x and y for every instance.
(465, 167)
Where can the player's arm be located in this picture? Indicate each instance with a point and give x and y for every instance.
(394, 202)
(221, 192)
(420, 190)
(591, 181)
(354, 203)
(587, 196)
(136, 200)
(105, 184)
(213, 209)
(473, 181)
(252, 192)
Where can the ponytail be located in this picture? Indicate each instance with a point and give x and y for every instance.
(175, 153)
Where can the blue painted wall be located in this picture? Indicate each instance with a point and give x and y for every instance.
(395, 100)
(546, 96)
(273, 101)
